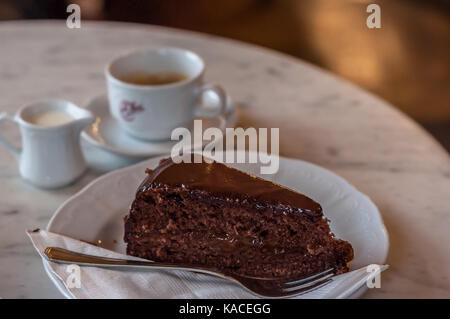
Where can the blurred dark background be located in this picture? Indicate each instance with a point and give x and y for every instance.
(406, 61)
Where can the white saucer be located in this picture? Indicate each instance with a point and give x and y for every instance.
(107, 134)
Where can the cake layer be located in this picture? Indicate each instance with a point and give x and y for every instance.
(213, 215)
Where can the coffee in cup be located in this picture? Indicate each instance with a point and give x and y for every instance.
(159, 78)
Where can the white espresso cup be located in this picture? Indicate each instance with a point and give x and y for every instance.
(153, 111)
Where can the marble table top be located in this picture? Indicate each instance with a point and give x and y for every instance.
(322, 119)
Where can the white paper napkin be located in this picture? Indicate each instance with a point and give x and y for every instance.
(106, 283)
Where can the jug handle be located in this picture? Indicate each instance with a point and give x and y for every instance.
(14, 150)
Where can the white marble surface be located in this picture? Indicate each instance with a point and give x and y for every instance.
(322, 119)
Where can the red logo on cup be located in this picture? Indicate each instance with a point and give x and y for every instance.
(128, 109)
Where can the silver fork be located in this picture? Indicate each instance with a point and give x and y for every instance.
(261, 287)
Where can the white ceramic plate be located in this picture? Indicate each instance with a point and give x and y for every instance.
(96, 212)
(107, 134)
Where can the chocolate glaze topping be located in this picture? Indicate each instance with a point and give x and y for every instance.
(222, 180)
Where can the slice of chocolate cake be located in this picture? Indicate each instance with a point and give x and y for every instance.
(214, 215)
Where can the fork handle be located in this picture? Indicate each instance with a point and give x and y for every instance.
(64, 256)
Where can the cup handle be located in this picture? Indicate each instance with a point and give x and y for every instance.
(221, 107)
(12, 149)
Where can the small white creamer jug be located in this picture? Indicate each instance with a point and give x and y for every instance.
(51, 155)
